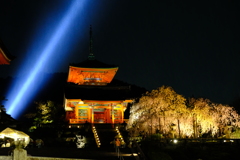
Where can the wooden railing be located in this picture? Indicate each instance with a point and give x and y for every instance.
(75, 121)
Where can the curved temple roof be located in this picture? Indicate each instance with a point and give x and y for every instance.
(91, 76)
(92, 64)
(91, 71)
(5, 56)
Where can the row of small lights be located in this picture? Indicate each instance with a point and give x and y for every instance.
(119, 135)
(71, 126)
(228, 141)
(175, 141)
(96, 136)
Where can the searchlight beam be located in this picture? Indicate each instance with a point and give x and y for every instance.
(19, 96)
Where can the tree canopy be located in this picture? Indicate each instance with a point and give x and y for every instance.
(164, 111)
(47, 112)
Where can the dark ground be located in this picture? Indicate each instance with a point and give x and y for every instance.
(153, 151)
(192, 151)
(78, 153)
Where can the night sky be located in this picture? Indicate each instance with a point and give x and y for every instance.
(192, 46)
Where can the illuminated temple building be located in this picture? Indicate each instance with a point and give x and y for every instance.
(5, 57)
(91, 94)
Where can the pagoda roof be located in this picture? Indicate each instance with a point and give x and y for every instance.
(89, 63)
(73, 91)
(5, 56)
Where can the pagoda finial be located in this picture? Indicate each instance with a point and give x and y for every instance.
(91, 56)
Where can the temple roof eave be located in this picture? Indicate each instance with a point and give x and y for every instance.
(92, 64)
(103, 100)
(97, 92)
(93, 68)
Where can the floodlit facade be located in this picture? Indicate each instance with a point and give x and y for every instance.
(90, 96)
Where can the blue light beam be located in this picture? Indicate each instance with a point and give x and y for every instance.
(17, 100)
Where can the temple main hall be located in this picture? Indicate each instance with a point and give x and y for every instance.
(92, 96)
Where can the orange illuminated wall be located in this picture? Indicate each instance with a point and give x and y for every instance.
(91, 76)
(78, 111)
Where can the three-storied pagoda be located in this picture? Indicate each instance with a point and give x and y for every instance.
(89, 94)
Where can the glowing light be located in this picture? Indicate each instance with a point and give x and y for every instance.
(29, 83)
(80, 102)
(175, 141)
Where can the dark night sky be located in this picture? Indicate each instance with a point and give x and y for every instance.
(192, 46)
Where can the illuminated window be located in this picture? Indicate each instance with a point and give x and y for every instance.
(93, 79)
(83, 118)
(82, 112)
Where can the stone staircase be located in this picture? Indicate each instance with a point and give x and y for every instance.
(106, 134)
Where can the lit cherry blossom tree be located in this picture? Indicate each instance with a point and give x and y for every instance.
(211, 117)
(158, 110)
(170, 114)
(201, 112)
(226, 119)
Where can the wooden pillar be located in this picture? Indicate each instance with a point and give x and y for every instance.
(89, 114)
(76, 113)
(112, 114)
(122, 114)
(92, 114)
(108, 114)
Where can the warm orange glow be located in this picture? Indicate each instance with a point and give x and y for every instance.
(96, 111)
(91, 76)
